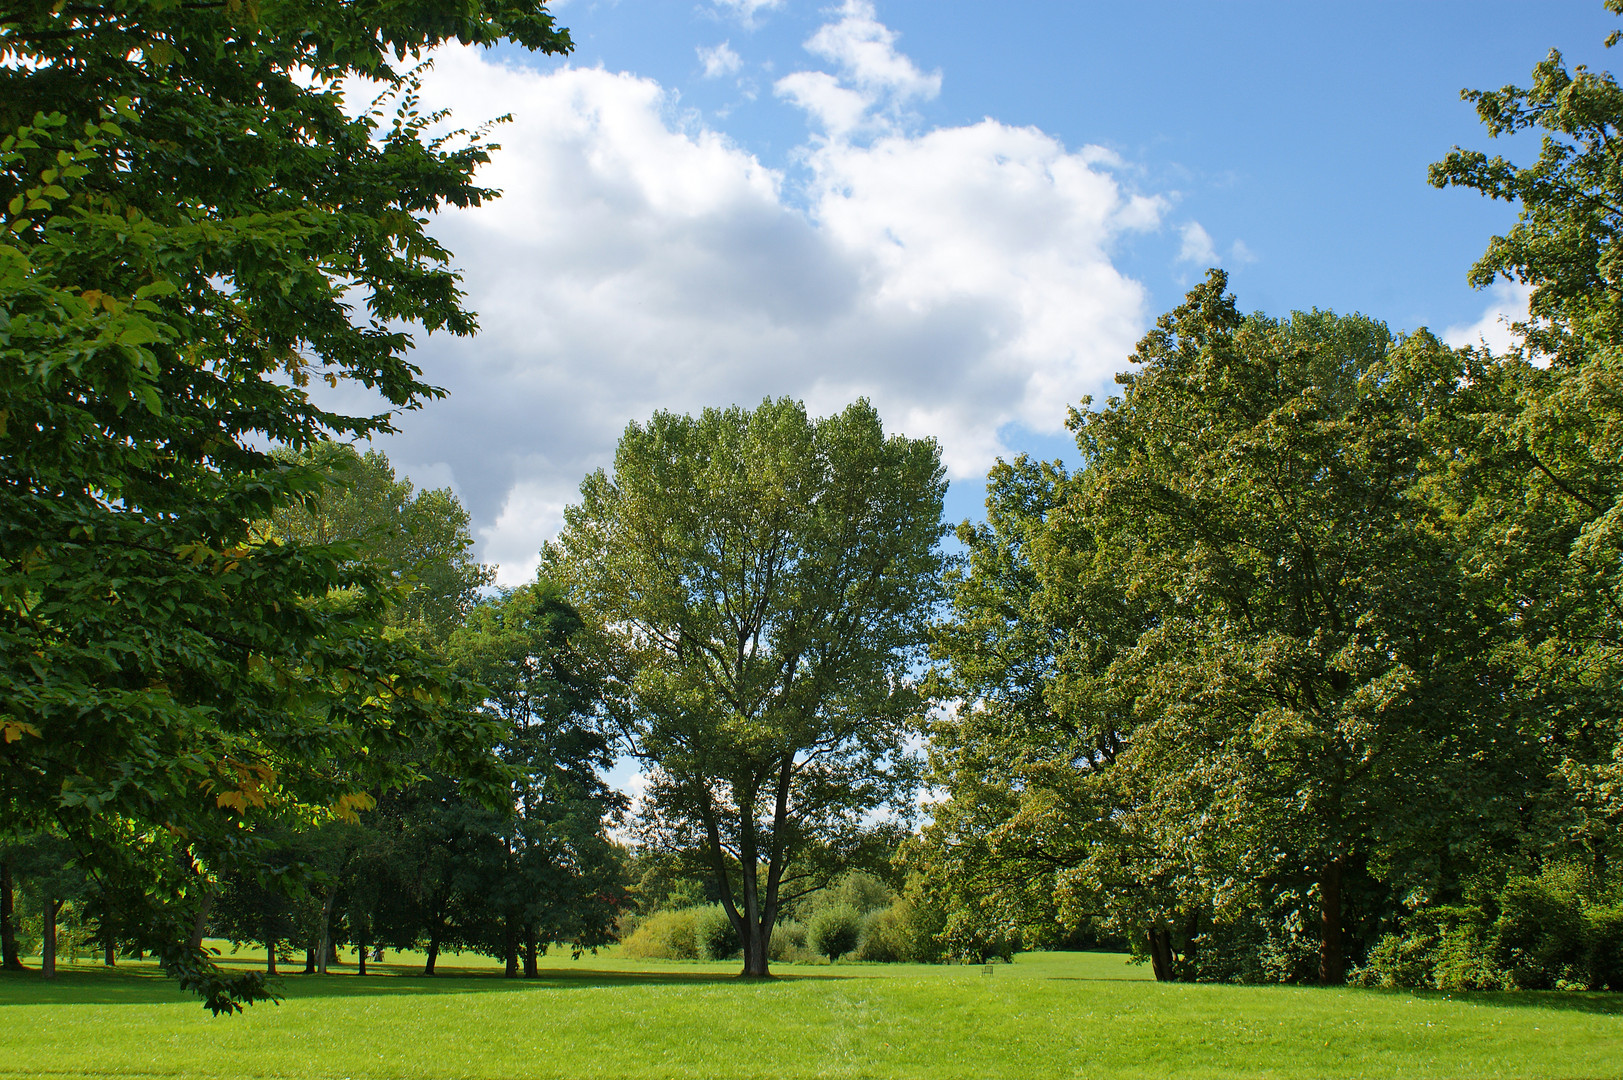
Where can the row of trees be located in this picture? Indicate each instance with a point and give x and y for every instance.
(434, 858)
(1315, 659)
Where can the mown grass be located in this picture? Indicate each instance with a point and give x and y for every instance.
(1046, 1015)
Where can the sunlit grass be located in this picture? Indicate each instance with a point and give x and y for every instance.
(1048, 1014)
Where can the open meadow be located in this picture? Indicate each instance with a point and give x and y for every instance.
(1047, 1014)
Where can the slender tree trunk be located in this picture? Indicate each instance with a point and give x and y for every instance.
(433, 954)
(1332, 962)
(10, 958)
(47, 952)
(309, 961)
(270, 945)
(109, 952)
(531, 949)
(325, 950)
(360, 953)
(200, 924)
(510, 947)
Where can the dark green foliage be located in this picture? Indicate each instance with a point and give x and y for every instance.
(191, 228)
(714, 935)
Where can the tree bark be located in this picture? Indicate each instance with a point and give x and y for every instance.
(433, 955)
(270, 946)
(10, 958)
(325, 950)
(109, 952)
(1161, 959)
(1332, 962)
(309, 961)
(531, 949)
(360, 953)
(201, 922)
(510, 948)
(47, 957)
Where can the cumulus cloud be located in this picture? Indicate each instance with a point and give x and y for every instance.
(960, 278)
(719, 60)
(876, 86)
(1508, 305)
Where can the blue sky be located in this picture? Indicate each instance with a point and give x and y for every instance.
(966, 212)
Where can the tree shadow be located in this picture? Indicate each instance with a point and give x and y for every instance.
(1600, 1002)
(150, 987)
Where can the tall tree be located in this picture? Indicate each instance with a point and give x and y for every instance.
(766, 581)
(1538, 496)
(191, 226)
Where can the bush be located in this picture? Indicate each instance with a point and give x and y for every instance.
(892, 935)
(665, 935)
(788, 944)
(714, 936)
(834, 930)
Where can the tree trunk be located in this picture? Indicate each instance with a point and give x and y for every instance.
(10, 958)
(1161, 959)
(1332, 964)
(510, 947)
(47, 951)
(109, 952)
(309, 961)
(270, 946)
(360, 953)
(201, 923)
(531, 949)
(326, 932)
(433, 954)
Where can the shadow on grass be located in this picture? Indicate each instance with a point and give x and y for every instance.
(1600, 1002)
(129, 986)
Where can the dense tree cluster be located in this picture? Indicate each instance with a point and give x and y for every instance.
(1314, 660)
(1312, 669)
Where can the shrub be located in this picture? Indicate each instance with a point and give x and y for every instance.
(665, 935)
(788, 944)
(834, 930)
(714, 936)
(891, 935)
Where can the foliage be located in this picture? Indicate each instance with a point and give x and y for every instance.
(1202, 674)
(665, 935)
(764, 580)
(190, 221)
(834, 930)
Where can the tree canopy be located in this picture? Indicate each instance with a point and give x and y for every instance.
(193, 223)
(765, 582)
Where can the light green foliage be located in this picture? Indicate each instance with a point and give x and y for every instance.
(1045, 1015)
(765, 580)
(418, 541)
(665, 935)
(834, 930)
(191, 227)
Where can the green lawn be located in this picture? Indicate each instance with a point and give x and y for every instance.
(1048, 1014)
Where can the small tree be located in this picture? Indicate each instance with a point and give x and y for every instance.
(765, 583)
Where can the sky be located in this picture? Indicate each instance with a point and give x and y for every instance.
(967, 213)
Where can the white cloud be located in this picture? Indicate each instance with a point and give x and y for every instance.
(746, 10)
(877, 83)
(1197, 246)
(719, 60)
(1509, 305)
(961, 278)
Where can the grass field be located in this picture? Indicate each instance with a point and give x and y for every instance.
(1046, 1015)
